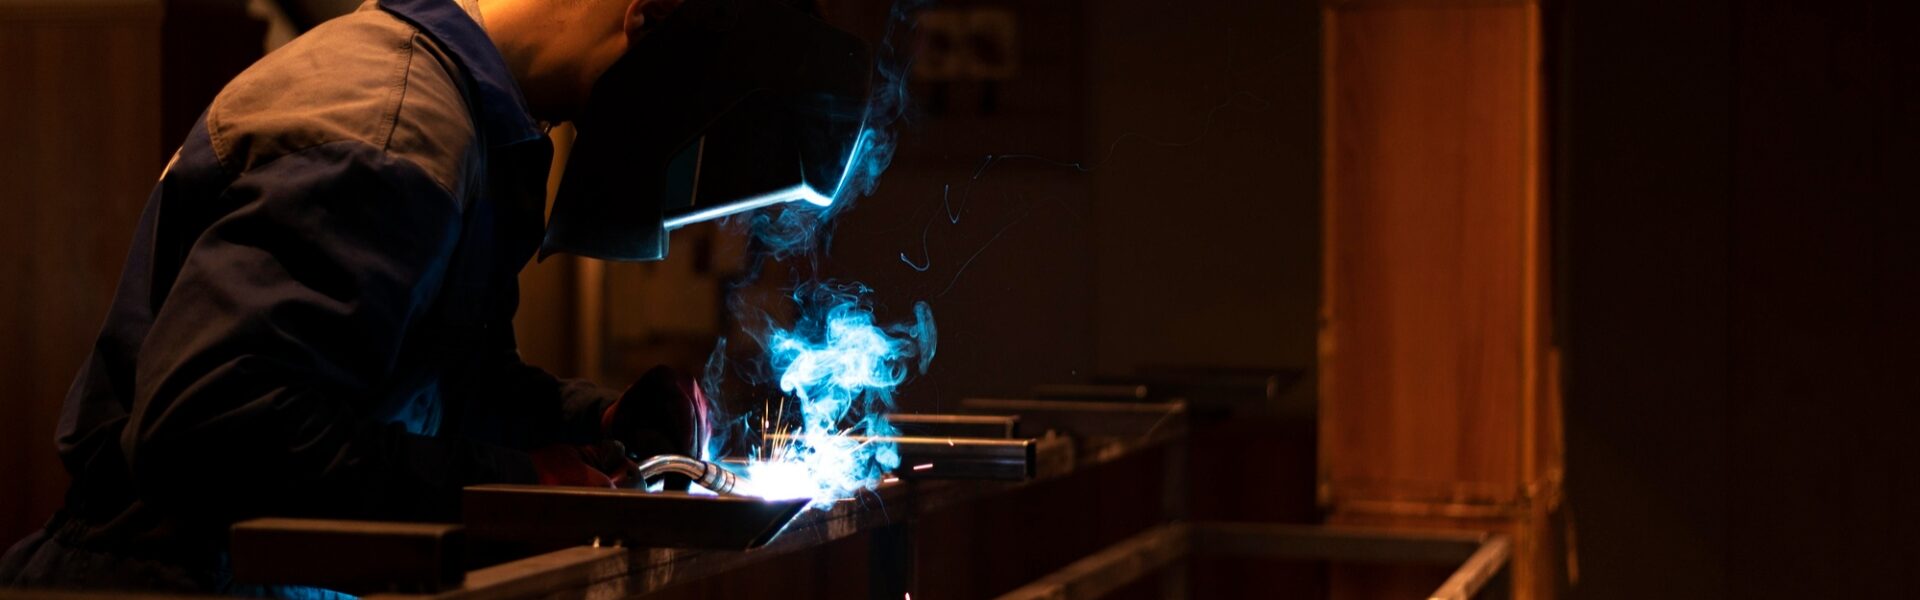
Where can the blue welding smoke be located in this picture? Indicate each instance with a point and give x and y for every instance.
(840, 366)
(801, 229)
(837, 364)
(839, 355)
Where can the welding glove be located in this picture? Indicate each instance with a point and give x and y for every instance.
(662, 413)
(603, 464)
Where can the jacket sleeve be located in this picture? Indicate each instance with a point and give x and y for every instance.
(254, 387)
(510, 402)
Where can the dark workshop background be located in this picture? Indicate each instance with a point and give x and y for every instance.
(1733, 254)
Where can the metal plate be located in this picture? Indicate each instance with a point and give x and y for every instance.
(551, 516)
(357, 556)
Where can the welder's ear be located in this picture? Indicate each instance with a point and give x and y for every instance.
(643, 15)
(635, 20)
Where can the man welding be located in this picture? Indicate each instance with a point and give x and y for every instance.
(315, 316)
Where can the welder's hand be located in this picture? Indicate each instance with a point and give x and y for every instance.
(603, 465)
(662, 413)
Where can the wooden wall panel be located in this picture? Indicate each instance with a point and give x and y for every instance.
(1438, 399)
(79, 111)
(1432, 309)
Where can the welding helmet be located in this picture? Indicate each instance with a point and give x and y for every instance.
(725, 107)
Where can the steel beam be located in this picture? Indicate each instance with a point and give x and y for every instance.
(1111, 569)
(1282, 542)
(580, 572)
(1482, 557)
(1486, 570)
(355, 556)
(552, 517)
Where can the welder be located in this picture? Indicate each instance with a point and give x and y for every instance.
(315, 317)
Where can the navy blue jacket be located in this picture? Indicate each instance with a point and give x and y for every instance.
(315, 316)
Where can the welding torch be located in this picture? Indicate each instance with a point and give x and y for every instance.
(709, 475)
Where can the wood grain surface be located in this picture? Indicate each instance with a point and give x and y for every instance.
(80, 106)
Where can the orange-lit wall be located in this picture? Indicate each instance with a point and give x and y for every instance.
(80, 103)
(1436, 369)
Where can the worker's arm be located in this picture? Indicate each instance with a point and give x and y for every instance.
(506, 401)
(513, 403)
(255, 385)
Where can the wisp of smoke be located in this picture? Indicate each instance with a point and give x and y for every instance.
(837, 365)
(840, 367)
(798, 229)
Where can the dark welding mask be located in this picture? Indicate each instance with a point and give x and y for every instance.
(726, 107)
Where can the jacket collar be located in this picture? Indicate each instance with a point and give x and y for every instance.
(498, 104)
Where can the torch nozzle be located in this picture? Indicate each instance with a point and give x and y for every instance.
(708, 475)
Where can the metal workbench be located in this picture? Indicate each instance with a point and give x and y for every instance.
(1071, 438)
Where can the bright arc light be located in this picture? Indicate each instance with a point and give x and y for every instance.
(839, 368)
(784, 480)
(799, 192)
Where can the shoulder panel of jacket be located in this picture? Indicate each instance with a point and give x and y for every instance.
(366, 77)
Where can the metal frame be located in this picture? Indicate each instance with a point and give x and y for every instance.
(354, 556)
(1483, 558)
(888, 515)
(590, 570)
(1111, 430)
(547, 517)
(1113, 568)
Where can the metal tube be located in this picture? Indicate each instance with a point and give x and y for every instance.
(1486, 564)
(954, 457)
(968, 426)
(708, 475)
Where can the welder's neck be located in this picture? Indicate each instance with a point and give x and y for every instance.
(556, 49)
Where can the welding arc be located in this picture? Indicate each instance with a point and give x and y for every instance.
(708, 475)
